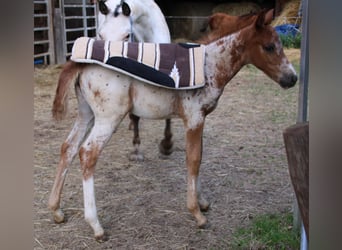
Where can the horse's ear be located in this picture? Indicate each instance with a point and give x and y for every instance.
(215, 21)
(260, 21)
(269, 16)
(126, 10)
(103, 7)
(204, 24)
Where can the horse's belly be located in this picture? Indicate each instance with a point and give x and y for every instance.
(152, 102)
(106, 93)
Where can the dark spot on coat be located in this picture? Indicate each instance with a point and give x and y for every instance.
(97, 93)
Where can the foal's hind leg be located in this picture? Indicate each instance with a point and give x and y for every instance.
(68, 151)
(136, 154)
(89, 153)
(165, 146)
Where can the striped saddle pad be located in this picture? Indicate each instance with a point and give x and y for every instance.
(175, 66)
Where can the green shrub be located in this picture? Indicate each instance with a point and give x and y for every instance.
(297, 41)
(291, 41)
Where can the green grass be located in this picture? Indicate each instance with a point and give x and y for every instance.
(267, 232)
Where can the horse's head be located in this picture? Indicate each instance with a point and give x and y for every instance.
(114, 20)
(266, 52)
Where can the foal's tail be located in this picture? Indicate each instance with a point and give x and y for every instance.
(68, 76)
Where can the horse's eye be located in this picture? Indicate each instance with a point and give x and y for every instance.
(269, 48)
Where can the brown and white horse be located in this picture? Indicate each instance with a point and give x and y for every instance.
(257, 44)
(118, 21)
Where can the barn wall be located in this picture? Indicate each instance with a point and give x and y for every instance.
(186, 18)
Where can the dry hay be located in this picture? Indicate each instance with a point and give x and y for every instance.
(142, 205)
(236, 9)
(289, 14)
(293, 55)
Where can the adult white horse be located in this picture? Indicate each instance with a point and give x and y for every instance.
(106, 97)
(118, 20)
(147, 24)
(142, 19)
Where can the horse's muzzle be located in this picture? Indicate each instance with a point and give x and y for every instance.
(288, 81)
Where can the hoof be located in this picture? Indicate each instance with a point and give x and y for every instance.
(164, 157)
(202, 224)
(166, 148)
(204, 206)
(134, 156)
(101, 238)
(58, 216)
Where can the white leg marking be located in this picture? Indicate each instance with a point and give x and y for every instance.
(90, 212)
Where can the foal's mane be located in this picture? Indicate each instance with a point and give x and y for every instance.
(228, 24)
(238, 22)
(247, 15)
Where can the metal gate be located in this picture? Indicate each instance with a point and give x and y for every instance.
(43, 33)
(57, 24)
(74, 18)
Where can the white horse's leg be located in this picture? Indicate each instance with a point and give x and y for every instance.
(193, 161)
(136, 154)
(165, 146)
(68, 151)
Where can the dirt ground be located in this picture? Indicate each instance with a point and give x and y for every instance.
(142, 205)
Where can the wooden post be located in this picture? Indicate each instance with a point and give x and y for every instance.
(296, 140)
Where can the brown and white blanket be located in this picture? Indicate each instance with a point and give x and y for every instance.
(176, 66)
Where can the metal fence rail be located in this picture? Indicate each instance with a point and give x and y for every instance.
(43, 33)
(78, 18)
(57, 27)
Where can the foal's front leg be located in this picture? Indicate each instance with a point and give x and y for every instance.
(195, 201)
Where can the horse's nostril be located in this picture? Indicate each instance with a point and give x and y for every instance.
(288, 81)
(294, 78)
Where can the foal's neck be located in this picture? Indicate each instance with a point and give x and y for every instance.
(224, 58)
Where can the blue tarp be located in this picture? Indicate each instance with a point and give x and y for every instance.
(287, 29)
